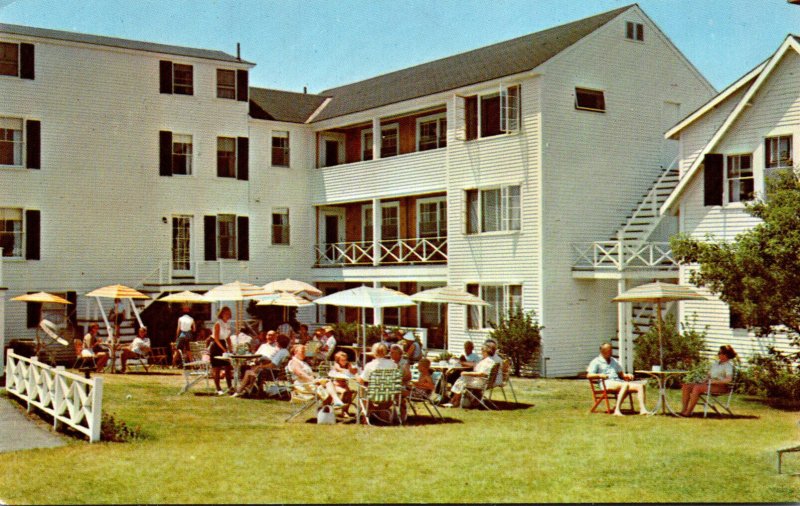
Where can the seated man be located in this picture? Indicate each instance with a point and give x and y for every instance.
(607, 368)
(257, 375)
(269, 347)
(137, 350)
(468, 359)
(328, 343)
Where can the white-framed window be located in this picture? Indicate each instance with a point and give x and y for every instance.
(11, 235)
(366, 223)
(226, 83)
(280, 148)
(493, 209)
(739, 177)
(634, 31)
(11, 142)
(500, 297)
(778, 152)
(390, 221)
(226, 236)
(590, 100)
(280, 225)
(182, 154)
(182, 79)
(366, 144)
(226, 157)
(390, 140)
(432, 132)
(9, 59)
(432, 217)
(490, 114)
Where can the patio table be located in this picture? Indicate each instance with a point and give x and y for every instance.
(446, 369)
(663, 377)
(236, 363)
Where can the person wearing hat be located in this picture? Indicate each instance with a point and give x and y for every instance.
(328, 342)
(413, 349)
(183, 335)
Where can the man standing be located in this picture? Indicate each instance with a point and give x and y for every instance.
(607, 368)
(184, 333)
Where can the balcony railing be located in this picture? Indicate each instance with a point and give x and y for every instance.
(622, 255)
(423, 250)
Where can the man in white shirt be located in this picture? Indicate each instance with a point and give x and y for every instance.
(184, 332)
(268, 348)
(379, 362)
(258, 374)
(329, 342)
(138, 349)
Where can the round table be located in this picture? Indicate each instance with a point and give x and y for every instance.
(236, 363)
(663, 378)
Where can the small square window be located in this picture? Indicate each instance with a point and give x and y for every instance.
(11, 232)
(590, 100)
(634, 31)
(11, 141)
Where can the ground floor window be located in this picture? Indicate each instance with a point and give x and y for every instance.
(500, 298)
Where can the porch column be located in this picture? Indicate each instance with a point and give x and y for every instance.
(622, 327)
(2, 328)
(377, 314)
(376, 138)
(376, 231)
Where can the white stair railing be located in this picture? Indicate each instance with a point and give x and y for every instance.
(621, 255)
(651, 204)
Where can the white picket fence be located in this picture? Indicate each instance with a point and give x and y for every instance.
(69, 398)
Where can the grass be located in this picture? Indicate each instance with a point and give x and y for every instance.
(208, 449)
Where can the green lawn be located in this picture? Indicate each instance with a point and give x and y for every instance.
(209, 449)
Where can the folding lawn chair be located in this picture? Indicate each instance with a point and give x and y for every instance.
(382, 395)
(600, 393)
(481, 384)
(197, 369)
(720, 400)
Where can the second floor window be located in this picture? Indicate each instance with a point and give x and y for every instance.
(9, 59)
(226, 157)
(10, 141)
(740, 178)
(280, 226)
(366, 145)
(182, 154)
(226, 84)
(432, 218)
(431, 132)
(226, 236)
(11, 232)
(778, 152)
(493, 210)
(182, 79)
(489, 115)
(590, 100)
(280, 149)
(390, 141)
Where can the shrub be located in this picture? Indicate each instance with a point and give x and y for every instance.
(117, 431)
(519, 337)
(682, 347)
(347, 333)
(773, 376)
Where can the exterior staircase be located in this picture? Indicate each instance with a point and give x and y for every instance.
(643, 221)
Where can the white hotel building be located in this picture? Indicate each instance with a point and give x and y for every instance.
(526, 171)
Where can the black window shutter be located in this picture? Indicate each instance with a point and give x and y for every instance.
(241, 85)
(712, 179)
(165, 153)
(242, 158)
(243, 237)
(165, 74)
(33, 144)
(34, 314)
(32, 234)
(26, 61)
(72, 309)
(210, 237)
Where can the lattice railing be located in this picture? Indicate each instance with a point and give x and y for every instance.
(390, 252)
(621, 255)
(344, 253)
(69, 398)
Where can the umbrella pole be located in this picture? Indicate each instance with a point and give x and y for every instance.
(660, 339)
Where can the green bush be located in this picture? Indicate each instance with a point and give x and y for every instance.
(773, 376)
(347, 333)
(682, 347)
(117, 431)
(519, 337)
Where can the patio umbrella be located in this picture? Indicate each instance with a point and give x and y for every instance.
(285, 299)
(114, 292)
(46, 325)
(185, 297)
(448, 295)
(235, 291)
(292, 286)
(367, 297)
(657, 293)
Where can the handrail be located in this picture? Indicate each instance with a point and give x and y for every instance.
(621, 255)
(390, 252)
(650, 202)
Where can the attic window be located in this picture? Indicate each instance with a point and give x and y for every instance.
(634, 31)
(590, 100)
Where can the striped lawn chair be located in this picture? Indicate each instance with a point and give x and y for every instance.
(506, 381)
(382, 395)
(304, 394)
(197, 369)
(483, 385)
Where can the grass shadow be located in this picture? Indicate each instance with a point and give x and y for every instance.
(511, 406)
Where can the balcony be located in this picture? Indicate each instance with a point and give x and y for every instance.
(423, 250)
(623, 259)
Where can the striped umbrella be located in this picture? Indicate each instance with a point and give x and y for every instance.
(448, 295)
(292, 286)
(657, 293)
(42, 297)
(238, 292)
(185, 297)
(117, 292)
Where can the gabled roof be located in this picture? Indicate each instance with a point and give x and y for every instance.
(101, 40)
(790, 42)
(491, 62)
(280, 105)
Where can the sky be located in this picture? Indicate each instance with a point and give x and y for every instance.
(322, 44)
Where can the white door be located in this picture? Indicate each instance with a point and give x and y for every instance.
(182, 246)
(331, 236)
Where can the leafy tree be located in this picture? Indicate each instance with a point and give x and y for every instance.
(519, 337)
(682, 347)
(758, 274)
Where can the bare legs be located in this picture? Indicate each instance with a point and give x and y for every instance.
(625, 389)
(215, 372)
(690, 395)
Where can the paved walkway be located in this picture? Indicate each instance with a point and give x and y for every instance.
(19, 433)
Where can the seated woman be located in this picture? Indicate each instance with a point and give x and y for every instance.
(137, 350)
(720, 375)
(340, 386)
(93, 347)
(424, 386)
(305, 381)
(380, 361)
(481, 370)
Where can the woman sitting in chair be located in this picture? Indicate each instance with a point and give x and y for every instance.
(305, 381)
(94, 347)
(138, 349)
(720, 376)
(481, 370)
